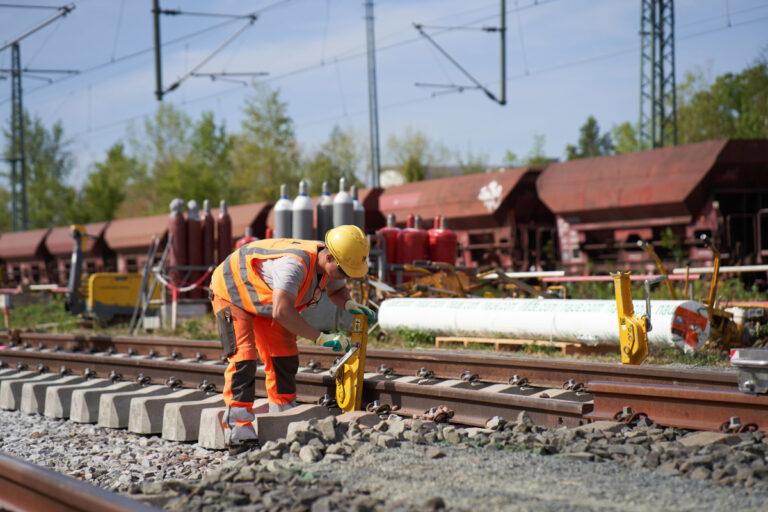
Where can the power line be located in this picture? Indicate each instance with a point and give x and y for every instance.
(144, 51)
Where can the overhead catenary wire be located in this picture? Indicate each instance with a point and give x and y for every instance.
(144, 51)
(533, 72)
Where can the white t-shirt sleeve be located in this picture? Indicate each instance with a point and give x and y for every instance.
(285, 273)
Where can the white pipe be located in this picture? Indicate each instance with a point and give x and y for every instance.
(525, 275)
(723, 270)
(591, 322)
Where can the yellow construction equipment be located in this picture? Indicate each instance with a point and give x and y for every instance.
(349, 370)
(113, 294)
(659, 265)
(724, 329)
(633, 329)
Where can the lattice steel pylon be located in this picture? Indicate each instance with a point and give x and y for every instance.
(658, 102)
(19, 211)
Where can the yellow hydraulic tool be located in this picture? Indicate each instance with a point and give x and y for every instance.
(633, 330)
(349, 370)
(724, 329)
(659, 265)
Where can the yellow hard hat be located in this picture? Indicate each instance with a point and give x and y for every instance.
(349, 246)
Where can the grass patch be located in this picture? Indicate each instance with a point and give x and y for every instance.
(673, 355)
(48, 315)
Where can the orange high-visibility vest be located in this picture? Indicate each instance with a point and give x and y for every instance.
(237, 281)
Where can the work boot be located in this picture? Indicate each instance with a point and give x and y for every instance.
(239, 434)
(282, 407)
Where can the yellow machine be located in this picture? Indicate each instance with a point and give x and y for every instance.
(724, 329)
(349, 370)
(659, 265)
(112, 293)
(633, 329)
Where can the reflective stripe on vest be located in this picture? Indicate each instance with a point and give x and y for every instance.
(224, 275)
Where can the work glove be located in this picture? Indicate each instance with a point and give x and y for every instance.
(336, 341)
(359, 309)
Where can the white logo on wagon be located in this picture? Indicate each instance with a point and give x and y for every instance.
(490, 195)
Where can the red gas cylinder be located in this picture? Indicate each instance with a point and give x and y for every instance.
(224, 233)
(248, 238)
(412, 243)
(194, 245)
(209, 228)
(390, 234)
(442, 242)
(177, 228)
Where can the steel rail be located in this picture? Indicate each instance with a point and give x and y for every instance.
(683, 407)
(25, 487)
(472, 405)
(446, 365)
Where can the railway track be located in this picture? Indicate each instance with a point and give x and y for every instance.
(476, 387)
(29, 488)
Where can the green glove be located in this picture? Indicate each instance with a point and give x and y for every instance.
(334, 341)
(359, 309)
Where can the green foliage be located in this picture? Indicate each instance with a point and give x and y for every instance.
(625, 138)
(413, 170)
(735, 105)
(5, 209)
(673, 355)
(338, 157)
(413, 339)
(511, 159)
(413, 152)
(51, 202)
(472, 163)
(48, 315)
(105, 188)
(671, 243)
(591, 142)
(265, 153)
(536, 156)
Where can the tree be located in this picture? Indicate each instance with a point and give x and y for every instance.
(625, 138)
(536, 156)
(735, 105)
(265, 154)
(338, 157)
(50, 201)
(591, 142)
(106, 186)
(472, 163)
(179, 157)
(511, 159)
(5, 209)
(413, 152)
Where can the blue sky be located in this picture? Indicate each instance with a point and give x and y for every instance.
(567, 59)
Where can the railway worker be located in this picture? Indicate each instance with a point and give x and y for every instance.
(258, 293)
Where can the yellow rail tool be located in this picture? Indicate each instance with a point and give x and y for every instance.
(633, 330)
(349, 370)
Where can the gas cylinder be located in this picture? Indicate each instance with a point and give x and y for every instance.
(357, 209)
(324, 212)
(208, 234)
(248, 238)
(223, 233)
(442, 242)
(194, 245)
(412, 242)
(177, 228)
(343, 209)
(390, 233)
(302, 214)
(283, 214)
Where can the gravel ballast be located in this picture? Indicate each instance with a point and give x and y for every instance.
(414, 465)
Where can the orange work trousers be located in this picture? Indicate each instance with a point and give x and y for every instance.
(247, 337)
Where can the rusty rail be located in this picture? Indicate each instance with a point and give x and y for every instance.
(25, 487)
(683, 407)
(446, 365)
(473, 405)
